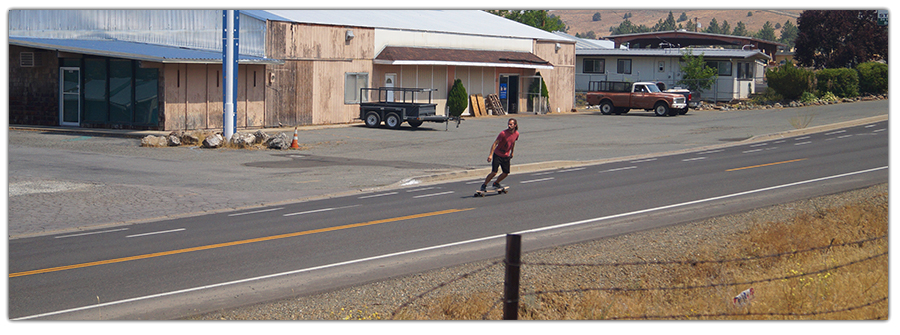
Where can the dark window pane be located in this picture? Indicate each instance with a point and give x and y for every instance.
(95, 92)
(120, 79)
(146, 99)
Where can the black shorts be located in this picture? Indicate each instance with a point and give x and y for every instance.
(501, 162)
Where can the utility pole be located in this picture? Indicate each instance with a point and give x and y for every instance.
(230, 47)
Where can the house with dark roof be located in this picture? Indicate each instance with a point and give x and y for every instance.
(657, 57)
(162, 69)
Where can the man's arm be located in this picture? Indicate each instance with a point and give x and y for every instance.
(493, 147)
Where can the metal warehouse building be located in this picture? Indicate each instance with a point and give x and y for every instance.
(162, 69)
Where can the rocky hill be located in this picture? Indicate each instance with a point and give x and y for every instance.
(581, 20)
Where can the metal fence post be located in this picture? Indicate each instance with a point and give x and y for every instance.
(511, 284)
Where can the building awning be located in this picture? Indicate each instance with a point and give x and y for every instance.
(134, 50)
(460, 57)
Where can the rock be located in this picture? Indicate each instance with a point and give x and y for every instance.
(190, 139)
(213, 141)
(153, 141)
(173, 140)
(261, 137)
(279, 142)
(243, 140)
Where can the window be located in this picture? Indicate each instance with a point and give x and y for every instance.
(352, 83)
(594, 65)
(745, 70)
(623, 66)
(723, 67)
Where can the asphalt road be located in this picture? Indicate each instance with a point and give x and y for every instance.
(183, 266)
(73, 182)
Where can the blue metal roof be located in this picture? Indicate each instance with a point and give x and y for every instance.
(134, 50)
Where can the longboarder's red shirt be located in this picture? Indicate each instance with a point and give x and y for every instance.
(507, 140)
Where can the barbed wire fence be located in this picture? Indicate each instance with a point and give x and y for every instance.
(512, 294)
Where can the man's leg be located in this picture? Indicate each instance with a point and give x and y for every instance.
(489, 177)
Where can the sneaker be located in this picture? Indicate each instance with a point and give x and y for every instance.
(483, 188)
(497, 185)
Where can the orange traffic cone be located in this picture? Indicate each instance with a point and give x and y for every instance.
(294, 144)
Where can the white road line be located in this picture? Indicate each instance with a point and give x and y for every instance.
(535, 180)
(836, 132)
(620, 169)
(544, 173)
(759, 145)
(845, 136)
(475, 181)
(871, 125)
(157, 232)
(319, 210)
(92, 233)
(752, 151)
(802, 143)
(643, 161)
(878, 130)
(256, 212)
(420, 189)
(778, 142)
(377, 195)
(801, 138)
(431, 195)
(571, 170)
(710, 152)
(693, 159)
(448, 245)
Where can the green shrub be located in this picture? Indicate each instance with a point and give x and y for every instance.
(807, 97)
(789, 81)
(873, 77)
(457, 99)
(767, 96)
(842, 82)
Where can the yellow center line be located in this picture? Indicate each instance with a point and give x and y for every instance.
(229, 244)
(761, 165)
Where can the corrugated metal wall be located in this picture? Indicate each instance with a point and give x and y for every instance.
(195, 29)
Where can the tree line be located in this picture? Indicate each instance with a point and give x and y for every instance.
(821, 38)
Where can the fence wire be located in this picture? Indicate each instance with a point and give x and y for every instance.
(498, 301)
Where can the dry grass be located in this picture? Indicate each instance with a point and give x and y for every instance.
(824, 284)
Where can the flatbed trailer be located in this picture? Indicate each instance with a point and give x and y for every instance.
(395, 105)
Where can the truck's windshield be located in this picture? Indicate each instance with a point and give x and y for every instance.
(653, 88)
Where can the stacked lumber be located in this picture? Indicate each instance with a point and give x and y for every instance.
(477, 103)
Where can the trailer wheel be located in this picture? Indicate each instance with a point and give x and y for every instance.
(606, 107)
(661, 109)
(372, 119)
(414, 124)
(392, 120)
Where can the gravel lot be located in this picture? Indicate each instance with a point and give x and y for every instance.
(378, 300)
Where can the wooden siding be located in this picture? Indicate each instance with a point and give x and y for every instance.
(561, 79)
(309, 87)
(193, 97)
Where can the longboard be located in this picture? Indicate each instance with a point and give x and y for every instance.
(503, 190)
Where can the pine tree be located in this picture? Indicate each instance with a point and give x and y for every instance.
(457, 99)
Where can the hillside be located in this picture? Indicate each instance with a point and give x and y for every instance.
(580, 20)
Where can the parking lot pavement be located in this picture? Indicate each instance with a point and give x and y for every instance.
(72, 179)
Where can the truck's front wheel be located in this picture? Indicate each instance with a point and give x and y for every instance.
(372, 119)
(606, 108)
(661, 109)
(392, 120)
